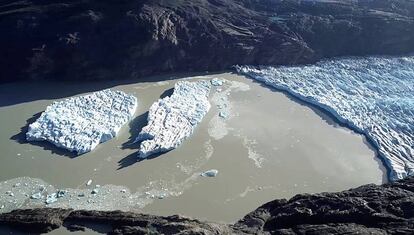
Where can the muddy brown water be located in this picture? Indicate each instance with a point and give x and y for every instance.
(268, 147)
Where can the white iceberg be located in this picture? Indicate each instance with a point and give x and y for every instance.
(373, 96)
(210, 173)
(80, 123)
(217, 82)
(173, 119)
(51, 198)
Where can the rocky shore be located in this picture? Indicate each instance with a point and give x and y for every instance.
(97, 40)
(369, 209)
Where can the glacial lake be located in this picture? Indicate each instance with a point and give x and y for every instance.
(270, 146)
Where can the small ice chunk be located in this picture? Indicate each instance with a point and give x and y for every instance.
(89, 183)
(162, 196)
(2, 207)
(61, 193)
(217, 82)
(210, 173)
(51, 198)
(95, 191)
(173, 119)
(79, 124)
(36, 196)
(123, 191)
(223, 114)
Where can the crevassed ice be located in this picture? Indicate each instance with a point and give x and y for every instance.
(372, 95)
(80, 123)
(172, 119)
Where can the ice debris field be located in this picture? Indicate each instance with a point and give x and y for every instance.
(26, 192)
(79, 124)
(373, 96)
(172, 119)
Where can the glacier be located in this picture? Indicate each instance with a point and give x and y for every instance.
(372, 95)
(173, 119)
(80, 123)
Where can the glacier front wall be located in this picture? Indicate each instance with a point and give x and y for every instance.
(373, 96)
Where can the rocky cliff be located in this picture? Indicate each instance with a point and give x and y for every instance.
(369, 209)
(95, 39)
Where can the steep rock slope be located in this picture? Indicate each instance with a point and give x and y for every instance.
(94, 40)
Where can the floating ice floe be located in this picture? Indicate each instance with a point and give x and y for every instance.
(95, 191)
(172, 119)
(79, 124)
(223, 114)
(51, 198)
(374, 96)
(210, 173)
(217, 82)
(36, 196)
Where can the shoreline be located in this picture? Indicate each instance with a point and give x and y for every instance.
(273, 217)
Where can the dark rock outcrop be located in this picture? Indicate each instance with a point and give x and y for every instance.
(369, 209)
(102, 39)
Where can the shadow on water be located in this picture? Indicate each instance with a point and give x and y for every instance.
(21, 92)
(166, 93)
(21, 139)
(81, 226)
(133, 158)
(135, 126)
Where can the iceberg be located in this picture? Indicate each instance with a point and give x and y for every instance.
(173, 119)
(217, 82)
(51, 198)
(373, 96)
(210, 173)
(79, 124)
